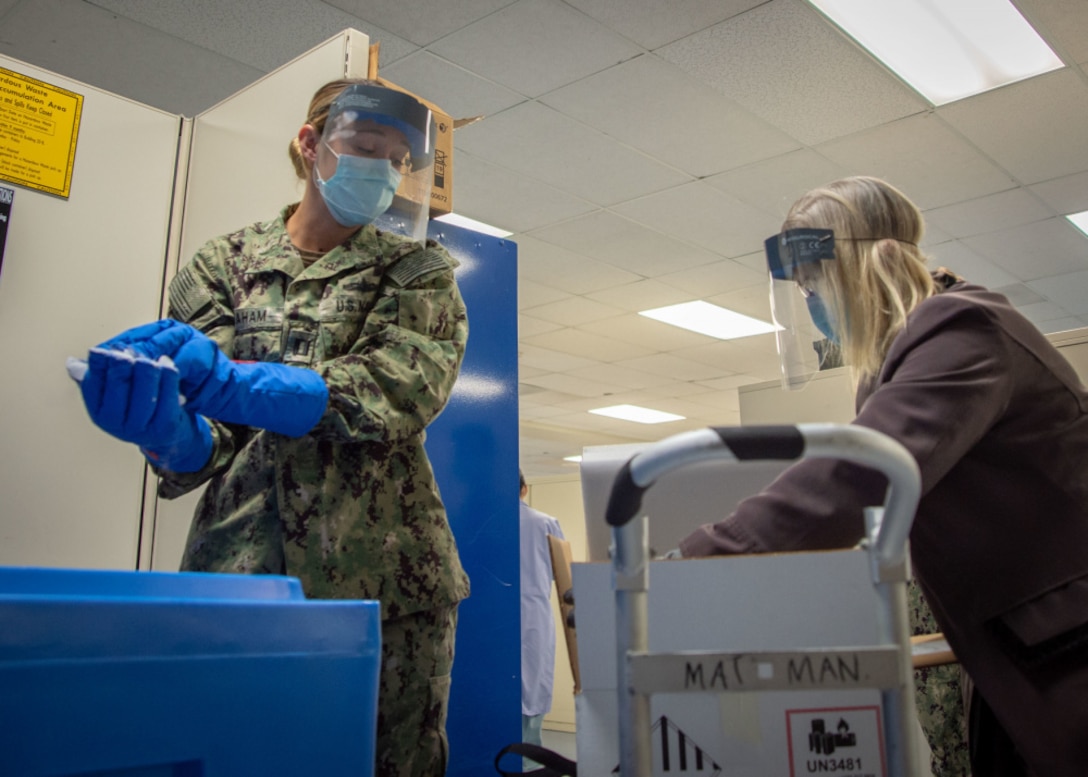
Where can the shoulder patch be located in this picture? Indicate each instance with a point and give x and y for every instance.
(187, 296)
(417, 264)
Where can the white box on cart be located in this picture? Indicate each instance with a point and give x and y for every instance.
(736, 604)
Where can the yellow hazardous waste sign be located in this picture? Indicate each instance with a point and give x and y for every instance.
(39, 125)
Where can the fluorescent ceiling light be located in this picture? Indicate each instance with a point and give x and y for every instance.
(1080, 221)
(473, 224)
(946, 49)
(641, 415)
(573, 459)
(707, 319)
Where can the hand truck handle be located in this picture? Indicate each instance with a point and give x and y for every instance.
(853, 443)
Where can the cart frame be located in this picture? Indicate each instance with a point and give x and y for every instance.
(886, 666)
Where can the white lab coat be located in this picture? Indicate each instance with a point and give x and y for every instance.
(537, 621)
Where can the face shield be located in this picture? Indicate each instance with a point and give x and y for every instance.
(801, 303)
(382, 141)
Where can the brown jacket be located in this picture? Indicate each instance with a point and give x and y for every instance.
(998, 422)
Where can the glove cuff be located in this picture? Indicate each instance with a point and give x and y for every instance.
(188, 454)
(277, 397)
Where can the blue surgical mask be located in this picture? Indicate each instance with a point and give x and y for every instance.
(821, 317)
(360, 190)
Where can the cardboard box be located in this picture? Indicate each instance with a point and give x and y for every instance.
(442, 189)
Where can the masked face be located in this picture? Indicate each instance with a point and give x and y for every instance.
(359, 190)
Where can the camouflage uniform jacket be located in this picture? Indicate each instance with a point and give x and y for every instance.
(351, 508)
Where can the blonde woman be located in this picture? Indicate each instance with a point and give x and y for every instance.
(998, 423)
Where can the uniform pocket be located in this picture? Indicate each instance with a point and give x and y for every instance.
(1048, 625)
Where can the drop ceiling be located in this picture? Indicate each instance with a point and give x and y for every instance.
(640, 151)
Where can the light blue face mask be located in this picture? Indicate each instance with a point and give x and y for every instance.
(360, 190)
(821, 317)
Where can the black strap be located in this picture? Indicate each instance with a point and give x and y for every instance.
(552, 763)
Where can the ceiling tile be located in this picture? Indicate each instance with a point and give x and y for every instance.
(548, 359)
(573, 311)
(933, 235)
(526, 373)
(659, 109)
(1070, 291)
(1063, 23)
(529, 326)
(774, 184)
(678, 388)
(625, 243)
(674, 367)
(568, 384)
(1045, 315)
(455, 90)
(733, 358)
(502, 198)
(229, 29)
(534, 46)
(646, 332)
(651, 23)
(143, 65)
(421, 21)
(786, 64)
(534, 140)
(531, 294)
(723, 401)
(1068, 194)
(566, 270)
(729, 384)
(1033, 251)
(704, 216)
(954, 170)
(582, 344)
(966, 263)
(620, 378)
(716, 278)
(1046, 139)
(988, 214)
(1020, 294)
(754, 301)
(756, 260)
(640, 295)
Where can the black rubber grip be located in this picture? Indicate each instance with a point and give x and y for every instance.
(625, 499)
(750, 443)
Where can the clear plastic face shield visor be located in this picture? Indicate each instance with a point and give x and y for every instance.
(800, 303)
(383, 143)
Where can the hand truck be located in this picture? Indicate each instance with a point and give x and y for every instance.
(885, 666)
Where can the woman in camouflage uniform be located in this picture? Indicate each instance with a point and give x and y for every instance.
(315, 464)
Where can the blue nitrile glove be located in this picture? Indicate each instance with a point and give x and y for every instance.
(276, 397)
(137, 400)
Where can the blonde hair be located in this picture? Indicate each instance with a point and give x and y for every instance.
(320, 104)
(879, 275)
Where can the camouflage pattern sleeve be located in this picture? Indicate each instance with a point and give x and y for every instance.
(398, 375)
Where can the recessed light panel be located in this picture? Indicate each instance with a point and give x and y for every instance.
(707, 319)
(641, 415)
(946, 49)
(1080, 221)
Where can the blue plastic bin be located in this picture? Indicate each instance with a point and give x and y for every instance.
(149, 674)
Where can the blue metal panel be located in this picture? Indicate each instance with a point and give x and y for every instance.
(473, 447)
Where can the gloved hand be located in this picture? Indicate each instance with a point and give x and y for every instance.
(137, 400)
(276, 397)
